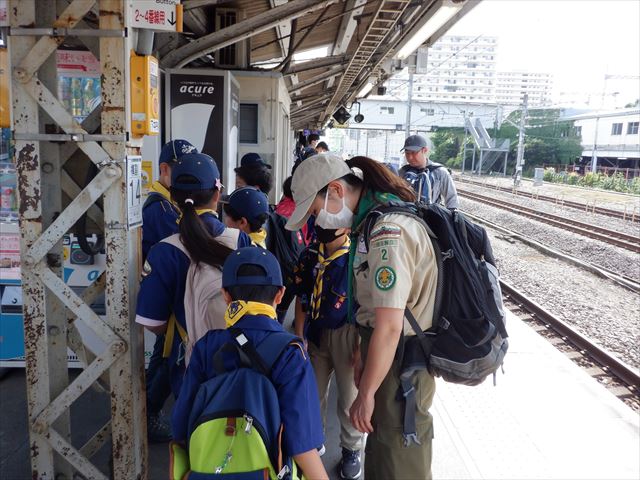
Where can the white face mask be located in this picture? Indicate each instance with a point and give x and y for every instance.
(329, 221)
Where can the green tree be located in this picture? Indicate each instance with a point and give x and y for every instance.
(446, 146)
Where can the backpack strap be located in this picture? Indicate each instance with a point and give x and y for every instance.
(170, 333)
(261, 358)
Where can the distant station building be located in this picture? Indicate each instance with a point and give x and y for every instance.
(610, 139)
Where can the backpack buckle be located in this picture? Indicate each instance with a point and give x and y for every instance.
(410, 438)
(284, 472)
(444, 323)
(448, 254)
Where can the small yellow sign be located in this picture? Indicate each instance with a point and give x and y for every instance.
(5, 114)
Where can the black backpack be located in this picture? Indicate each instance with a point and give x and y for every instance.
(284, 244)
(468, 339)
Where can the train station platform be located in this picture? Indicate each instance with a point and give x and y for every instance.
(545, 419)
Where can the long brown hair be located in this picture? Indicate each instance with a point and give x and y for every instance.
(379, 178)
(194, 234)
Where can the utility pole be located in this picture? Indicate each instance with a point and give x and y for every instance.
(407, 126)
(520, 157)
(411, 64)
(594, 150)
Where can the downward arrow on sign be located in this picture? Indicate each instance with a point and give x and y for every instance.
(172, 20)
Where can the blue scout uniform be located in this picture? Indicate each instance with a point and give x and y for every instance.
(159, 217)
(162, 291)
(292, 376)
(333, 302)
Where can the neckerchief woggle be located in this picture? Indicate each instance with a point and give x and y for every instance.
(323, 263)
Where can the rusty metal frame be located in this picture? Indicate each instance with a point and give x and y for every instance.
(119, 367)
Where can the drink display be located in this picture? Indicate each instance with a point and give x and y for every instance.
(78, 82)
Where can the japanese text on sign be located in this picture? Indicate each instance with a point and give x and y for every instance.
(134, 191)
(156, 14)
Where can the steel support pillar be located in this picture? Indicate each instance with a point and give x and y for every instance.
(50, 307)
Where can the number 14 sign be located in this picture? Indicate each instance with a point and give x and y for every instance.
(134, 191)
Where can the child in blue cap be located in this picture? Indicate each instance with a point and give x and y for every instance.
(252, 287)
(159, 218)
(247, 209)
(254, 172)
(159, 215)
(321, 318)
(195, 188)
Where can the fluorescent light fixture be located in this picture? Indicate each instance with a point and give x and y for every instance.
(365, 90)
(443, 13)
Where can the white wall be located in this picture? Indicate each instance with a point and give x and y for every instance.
(269, 92)
(627, 145)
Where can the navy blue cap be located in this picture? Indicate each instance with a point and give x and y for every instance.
(173, 150)
(253, 160)
(198, 165)
(249, 202)
(251, 256)
(413, 143)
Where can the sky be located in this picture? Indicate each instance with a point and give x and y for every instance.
(577, 41)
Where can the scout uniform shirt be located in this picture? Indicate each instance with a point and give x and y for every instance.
(292, 376)
(399, 270)
(159, 217)
(162, 291)
(333, 306)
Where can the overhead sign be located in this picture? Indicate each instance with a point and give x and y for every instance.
(4, 13)
(134, 191)
(163, 15)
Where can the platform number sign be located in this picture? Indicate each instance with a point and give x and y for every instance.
(134, 191)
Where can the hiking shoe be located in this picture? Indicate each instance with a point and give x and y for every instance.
(350, 467)
(158, 430)
(322, 450)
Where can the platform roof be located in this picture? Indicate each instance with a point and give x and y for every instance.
(327, 50)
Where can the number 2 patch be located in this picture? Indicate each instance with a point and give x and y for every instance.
(385, 278)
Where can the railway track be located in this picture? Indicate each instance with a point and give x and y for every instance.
(619, 239)
(632, 217)
(621, 379)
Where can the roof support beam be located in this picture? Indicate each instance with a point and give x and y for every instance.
(240, 31)
(313, 64)
(315, 81)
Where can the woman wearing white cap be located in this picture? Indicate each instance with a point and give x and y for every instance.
(395, 269)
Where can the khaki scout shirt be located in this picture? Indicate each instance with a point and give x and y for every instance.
(398, 270)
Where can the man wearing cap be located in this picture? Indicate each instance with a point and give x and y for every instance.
(254, 172)
(159, 219)
(430, 180)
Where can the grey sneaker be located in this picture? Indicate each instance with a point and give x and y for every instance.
(350, 465)
(158, 430)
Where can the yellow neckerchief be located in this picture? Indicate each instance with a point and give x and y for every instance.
(259, 238)
(322, 265)
(157, 187)
(239, 308)
(199, 211)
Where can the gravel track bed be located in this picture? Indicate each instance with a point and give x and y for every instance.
(600, 309)
(605, 221)
(586, 249)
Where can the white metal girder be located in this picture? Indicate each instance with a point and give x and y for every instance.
(123, 356)
(247, 28)
(384, 18)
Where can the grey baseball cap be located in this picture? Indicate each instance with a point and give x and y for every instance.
(413, 143)
(311, 176)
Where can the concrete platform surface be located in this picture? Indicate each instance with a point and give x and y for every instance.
(545, 419)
